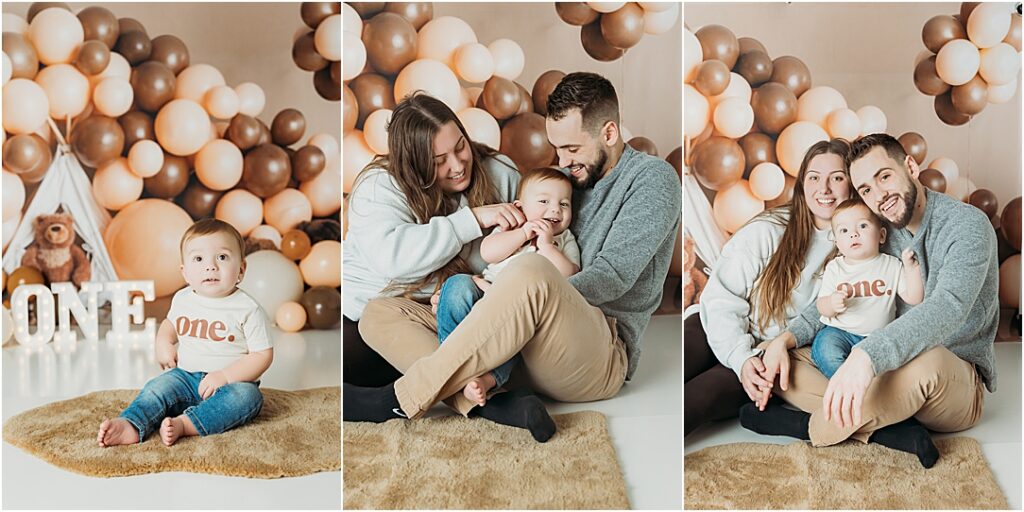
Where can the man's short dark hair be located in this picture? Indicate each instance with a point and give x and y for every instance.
(863, 145)
(591, 93)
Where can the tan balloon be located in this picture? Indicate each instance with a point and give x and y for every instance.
(735, 205)
(733, 117)
(352, 22)
(509, 58)
(328, 144)
(957, 62)
(794, 141)
(26, 106)
(7, 71)
(474, 63)
(960, 188)
(14, 23)
(430, 76)
(441, 37)
(355, 56)
(290, 316)
(474, 94)
(606, 7)
(999, 64)
(145, 158)
(56, 35)
(14, 195)
(872, 120)
(1002, 93)
(482, 126)
(695, 110)
(113, 97)
(182, 127)
(118, 67)
(267, 232)
(327, 38)
(692, 57)
(947, 166)
(322, 266)
(375, 131)
(67, 90)
(464, 101)
(242, 209)
(219, 165)
(287, 209)
(738, 88)
(659, 22)
(817, 103)
(221, 102)
(843, 123)
(988, 24)
(357, 155)
(251, 99)
(115, 185)
(767, 181)
(324, 191)
(196, 80)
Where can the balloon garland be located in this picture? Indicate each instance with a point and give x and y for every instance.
(609, 29)
(318, 49)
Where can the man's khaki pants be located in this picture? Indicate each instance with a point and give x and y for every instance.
(571, 351)
(939, 389)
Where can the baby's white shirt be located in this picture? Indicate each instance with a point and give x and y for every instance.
(873, 285)
(214, 332)
(564, 241)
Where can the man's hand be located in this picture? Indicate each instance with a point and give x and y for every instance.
(909, 259)
(210, 383)
(753, 383)
(776, 363)
(845, 392)
(838, 301)
(167, 355)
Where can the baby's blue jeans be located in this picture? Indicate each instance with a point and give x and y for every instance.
(831, 348)
(458, 294)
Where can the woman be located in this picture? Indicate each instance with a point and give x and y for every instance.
(416, 217)
(768, 273)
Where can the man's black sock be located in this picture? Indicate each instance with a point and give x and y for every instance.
(911, 437)
(519, 408)
(775, 420)
(370, 404)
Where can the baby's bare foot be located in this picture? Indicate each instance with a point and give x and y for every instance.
(170, 430)
(476, 390)
(116, 431)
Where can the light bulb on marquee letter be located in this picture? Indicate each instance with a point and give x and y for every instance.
(45, 323)
(123, 312)
(71, 304)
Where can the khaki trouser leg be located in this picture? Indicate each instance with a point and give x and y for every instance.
(569, 350)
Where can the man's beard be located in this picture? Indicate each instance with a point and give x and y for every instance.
(593, 172)
(909, 199)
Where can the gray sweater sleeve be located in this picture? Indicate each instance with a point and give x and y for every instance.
(806, 325)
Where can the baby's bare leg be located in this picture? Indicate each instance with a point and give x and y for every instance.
(174, 428)
(478, 388)
(116, 431)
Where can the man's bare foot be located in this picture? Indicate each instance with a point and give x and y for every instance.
(116, 431)
(172, 429)
(477, 388)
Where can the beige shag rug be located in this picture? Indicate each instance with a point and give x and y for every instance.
(297, 433)
(847, 476)
(458, 463)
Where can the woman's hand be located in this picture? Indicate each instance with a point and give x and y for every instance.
(776, 362)
(210, 383)
(505, 215)
(845, 392)
(753, 383)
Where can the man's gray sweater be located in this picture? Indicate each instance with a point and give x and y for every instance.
(626, 229)
(956, 246)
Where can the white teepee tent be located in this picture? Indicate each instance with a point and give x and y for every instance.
(66, 185)
(708, 238)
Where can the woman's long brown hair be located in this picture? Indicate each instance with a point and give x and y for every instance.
(415, 122)
(773, 289)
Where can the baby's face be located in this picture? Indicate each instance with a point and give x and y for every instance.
(858, 235)
(212, 265)
(550, 200)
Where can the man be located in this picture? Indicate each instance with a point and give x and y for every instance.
(931, 363)
(579, 338)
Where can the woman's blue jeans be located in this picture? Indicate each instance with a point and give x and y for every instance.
(458, 294)
(176, 392)
(831, 348)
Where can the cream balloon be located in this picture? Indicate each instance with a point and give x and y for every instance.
(733, 117)
(999, 64)
(693, 56)
(240, 208)
(872, 120)
(960, 188)
(9, 227)
(251, 99)
(7, 69)
(989, 23)
(356, 154)
(322, 266)
(1002, 93)
(14, 23)
(794, 141)
(115, 185)
(843, 123)
(328, 144)
(957, 62)
(464, 101)
(290, 316)
(145, 158)
(221, 102)
(509, 58)
(196, 80)
(327, 38)
(354, 56)
(429, 76)
(56, 35)
(947, 167)
(219, 165)
(817, 103)
(659, 22)
(695, 110)
(25, 106)
(67, 90)
(735, 205)
(474, 63)
(267, 232)
(324, 191)
(118, 67)
(656, 6)
(182, 127)
(14, 195)
(738, 88)
(113, 96)
(375, 130)
(271, 280)
(606, 7)
(352, 22)
(287, 209)
(482, 127)
(767, 181)
(440, 37)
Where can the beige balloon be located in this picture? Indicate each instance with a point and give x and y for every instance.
(474, 94)
(429, 76)
(267, 232)
(145, 158)
(843, 123)
(219, 165)
(767, 181)
(655, 6)
(695, 110)
(474, 63)
(693, 56)
(733, 117)
(196, 80)
(115, 185)
(328, 144)
(7, 70)
(738, 88)
(354, 56)
(221, 102)
(322, 266)
(240, 208)
(509, 58)
(957, 62)
(606, 7)
(375, 130)
(25, 105)
(251, 99)
(817, 103)
(352, 22)
(113, 96)
(290, 316)
(464, 101)
(14, 23)
(947, 166)
(1002, 93)
(67, 90)
(989, 23)
(441, 36)
(999, 64)
(118, 67)
(794, 141)
(14, 195)
(182, 127)
(659, 22)
(357, 155)
(327, 38)
(482, 126)
(960, 188)
(872, 120)
(56, 34)
(324, 191)
(287, 209)
(735, 205)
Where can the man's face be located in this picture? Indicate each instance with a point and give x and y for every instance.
(886, 185)
(582, 153)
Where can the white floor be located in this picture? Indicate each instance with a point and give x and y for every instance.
(999, 430)
(301, 360)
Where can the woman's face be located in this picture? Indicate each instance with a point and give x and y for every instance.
(453, 159)
(825, 186)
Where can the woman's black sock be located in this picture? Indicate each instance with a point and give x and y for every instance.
(519, 408)
(911, 437)
(775, 420)
(370, 404)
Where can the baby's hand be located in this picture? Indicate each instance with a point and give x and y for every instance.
(434, 300)
(212, 382)
(530, 228)
(544, 232)
(838, 302)
(167, 355)
(909, 258)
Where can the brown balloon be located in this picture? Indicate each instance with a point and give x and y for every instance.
(1013, 36)
(125, 25)
(914, 144)
(372, 92)
(307, 163)
(984, 200)
(266, 170)
(171, 180)
(947, 112)
(100, 25)
(755, 66)
(24, 60)
(966, 8)
(525, 100)
(326, 87)
(265, 135)
(774, 107)
(576, 13)
(500, 97)
(417, 13)
(27, 155)
(295, 244)
(323, 307)
(712, 78)
(366, 10)
(749, 44)
(243, 131)
(287, 127)
(786, 196)
(313, 13)
(542, 88)
(933, 179)
(154, 84)
(940, 30)
(93, 57)
(624, 27)
(200, 202)
(351, 110)
(137, 126)
(675, 158)
(97, 140)
(595, 45)
(718, 162)
(791, 72)
(927, 80)
(171, 52)
(38, 7)
(970, 98)
(23, 275)
(134, 46)
(757, 148)
(1011, 223)
(525, 140)
(336, 72)
(719, 43)
(304, 53)
(390, 41)
(643, 145)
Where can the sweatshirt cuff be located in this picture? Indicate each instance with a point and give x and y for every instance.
(740, 356)
(802, 330)
(466, 227)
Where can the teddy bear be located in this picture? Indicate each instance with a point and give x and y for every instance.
(54, 253)
(694, 279)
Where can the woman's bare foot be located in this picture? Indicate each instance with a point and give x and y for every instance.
(172, 429)
(477, 388)
(116, 431)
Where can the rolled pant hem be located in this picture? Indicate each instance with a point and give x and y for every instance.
(194, 418)
(140, 430)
